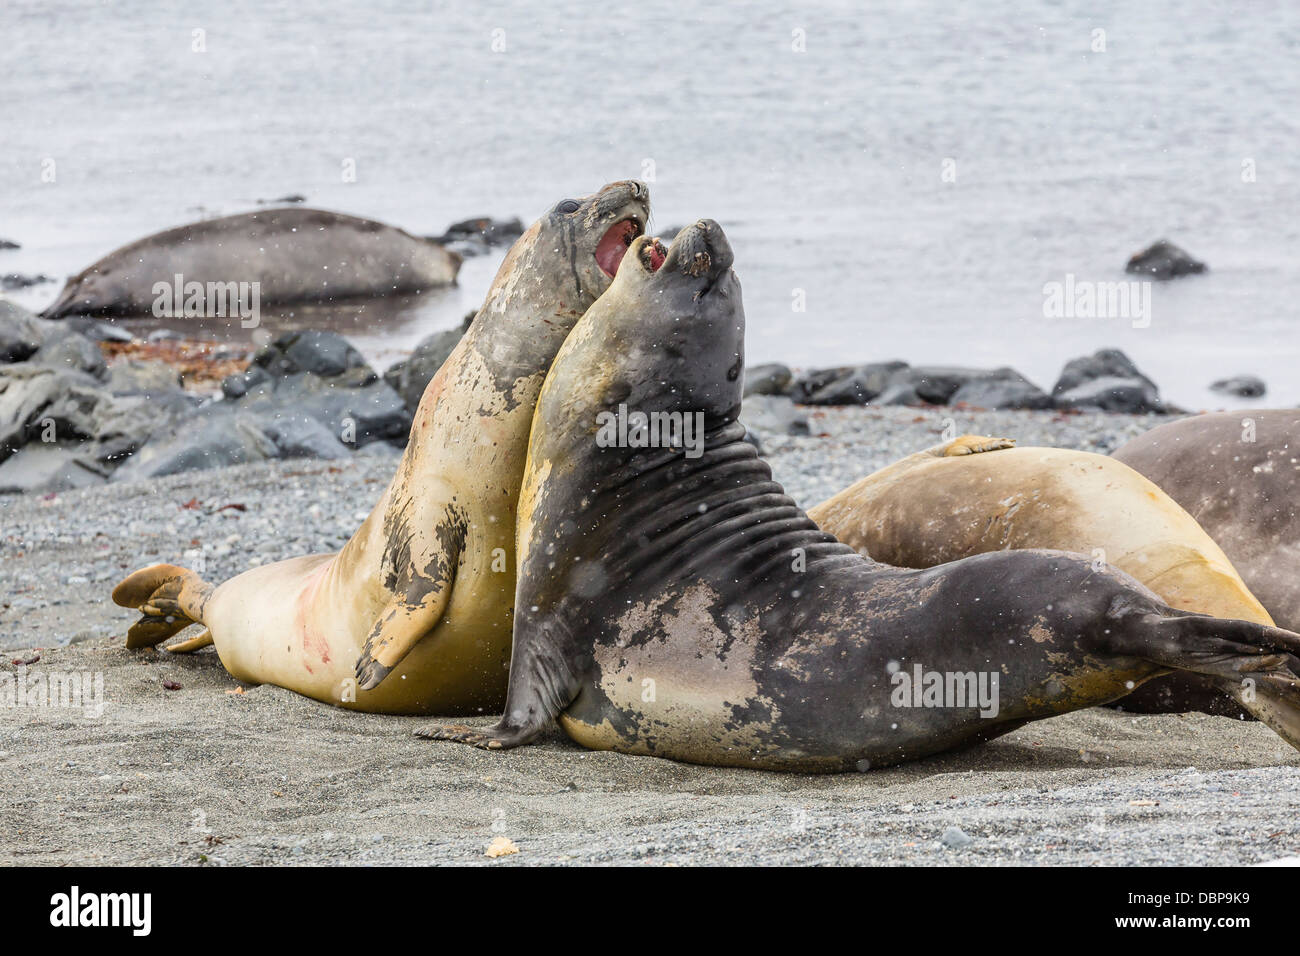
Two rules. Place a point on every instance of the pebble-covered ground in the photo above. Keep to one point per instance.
(185, 766)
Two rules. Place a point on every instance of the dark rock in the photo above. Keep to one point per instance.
(21, 332)
(809, 383)
(321, 353)
(98, 331)
(1243, 386)
(478, 235)
(238, 385)
(411, 376)
(66, 348)
(212, 438)
(358, 415)
(122, 424)
(14, 280)
(1104, 363)
(43, 468)
(138, 377)
(1163, 260)
(9, 244)
(291, 198)
(773, 415)
(40, 404)
(320, 375)
(1112, 394)
(936, 384)
(300, 436)
(43, 403)
(899, 393)
(770, 379)
(1001, 388)
(859, 386)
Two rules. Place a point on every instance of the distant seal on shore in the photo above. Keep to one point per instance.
(976, 495)
(1238, 474)
(294, 254)
(682, 606)
(414, 614)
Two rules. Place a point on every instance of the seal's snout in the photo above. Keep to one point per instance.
(701, 251)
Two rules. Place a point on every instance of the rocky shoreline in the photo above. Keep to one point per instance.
(84, 403)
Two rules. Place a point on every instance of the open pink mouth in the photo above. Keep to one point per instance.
(613, 245)
(654, 254)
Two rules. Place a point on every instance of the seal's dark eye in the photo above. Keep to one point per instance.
(568, 206)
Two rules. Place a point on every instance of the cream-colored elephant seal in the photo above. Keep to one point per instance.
(414, 615)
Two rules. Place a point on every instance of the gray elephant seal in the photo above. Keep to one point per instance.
(974, 495)
(294, 255)
(681, 606)
(413, 616)
(1238, 475)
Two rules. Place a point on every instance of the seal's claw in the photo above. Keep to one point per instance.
(191, 645)
(974, 444)
(153, 629)
(370, 673)
(459, 733)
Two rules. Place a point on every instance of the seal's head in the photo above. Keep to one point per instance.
(665, 344)
(569, 256)
(677, 325)
(88, 293)
(597, 230)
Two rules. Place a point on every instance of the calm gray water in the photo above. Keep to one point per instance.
(824, 166)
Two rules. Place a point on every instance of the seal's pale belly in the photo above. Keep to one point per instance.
(282, 625)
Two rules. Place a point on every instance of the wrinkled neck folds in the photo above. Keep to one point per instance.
(661, 516)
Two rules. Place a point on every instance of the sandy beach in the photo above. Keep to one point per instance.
(186, 766)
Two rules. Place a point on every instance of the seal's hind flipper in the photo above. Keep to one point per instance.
(193, 644)
(974, 445)
(1254, 663)
(169, 599)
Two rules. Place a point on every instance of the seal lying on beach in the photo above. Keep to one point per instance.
(976, 494)
(422, 595)
(1238, 474)
(294, 255)
(679, 604)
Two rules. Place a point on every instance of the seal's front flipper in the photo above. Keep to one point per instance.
(400, 627)
(421, 567)
(543, 683)
(496, 737)
(169, 598)
(973, 445)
